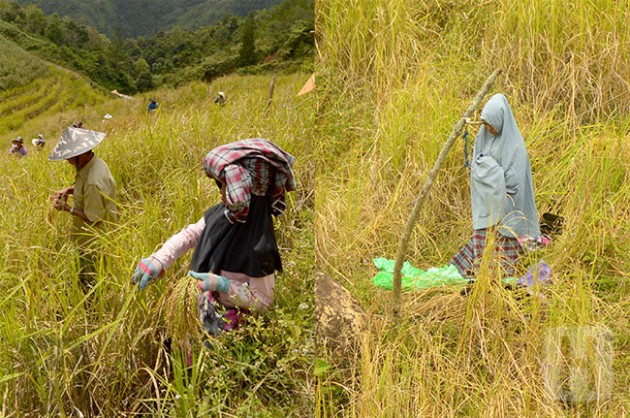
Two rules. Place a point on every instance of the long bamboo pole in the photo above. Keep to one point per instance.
(413, 217)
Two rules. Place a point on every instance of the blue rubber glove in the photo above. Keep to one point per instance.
(211, 282)
(146, 272)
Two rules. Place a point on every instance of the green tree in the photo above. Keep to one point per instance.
(35, 20)
(247, 53)
(76, 35)
(144, 79)
(141, 66)
(9, 11)
(54, 29)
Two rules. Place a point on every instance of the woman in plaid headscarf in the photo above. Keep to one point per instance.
(236, 254)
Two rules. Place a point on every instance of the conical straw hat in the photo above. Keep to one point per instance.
(75, 141)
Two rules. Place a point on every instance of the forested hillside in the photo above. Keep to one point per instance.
(147, 17)
(279, 39)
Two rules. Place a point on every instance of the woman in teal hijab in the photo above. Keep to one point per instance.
(502, 192)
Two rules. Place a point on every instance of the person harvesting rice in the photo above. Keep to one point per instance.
(94, 192)
(502, 191)
(236, 254)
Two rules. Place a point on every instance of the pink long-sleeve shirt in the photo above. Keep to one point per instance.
(254, 293)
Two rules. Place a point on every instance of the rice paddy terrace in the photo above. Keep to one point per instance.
(58, 91)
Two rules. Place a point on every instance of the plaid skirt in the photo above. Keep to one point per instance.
(506, 250)
(214, 317)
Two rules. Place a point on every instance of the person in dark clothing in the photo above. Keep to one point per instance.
(236, 255)
(220, 99)
(17, 147)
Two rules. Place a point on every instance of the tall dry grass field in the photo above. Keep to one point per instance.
(397, 75)
(60, 357)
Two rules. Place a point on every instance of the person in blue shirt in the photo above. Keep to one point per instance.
(153, 105)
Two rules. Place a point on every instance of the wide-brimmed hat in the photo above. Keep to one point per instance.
(18, 139)
(75, 141)
(39, 141)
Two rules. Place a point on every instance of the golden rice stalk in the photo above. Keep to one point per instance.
(180, 308)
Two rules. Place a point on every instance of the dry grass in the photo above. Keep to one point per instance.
(394, 87)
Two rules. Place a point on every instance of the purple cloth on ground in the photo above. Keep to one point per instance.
(539, 272)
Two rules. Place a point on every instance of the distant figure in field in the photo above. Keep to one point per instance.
(94, 193)
(502, 192)
(39, 142)
(236, 255)
(153, 105)
(220, 99)
(17, 147)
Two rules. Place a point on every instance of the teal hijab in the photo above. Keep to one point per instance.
(502, 191)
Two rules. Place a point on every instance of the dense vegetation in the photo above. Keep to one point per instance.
(145, 17)
(280, 38)
(397, 75)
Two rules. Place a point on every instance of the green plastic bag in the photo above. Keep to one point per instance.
(415, 278)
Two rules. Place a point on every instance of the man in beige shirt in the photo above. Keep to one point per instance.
(94, 192)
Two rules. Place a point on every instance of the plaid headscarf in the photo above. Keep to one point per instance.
(251, 166)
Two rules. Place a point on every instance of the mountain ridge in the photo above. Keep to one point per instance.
(279, 38)
(141, 17)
